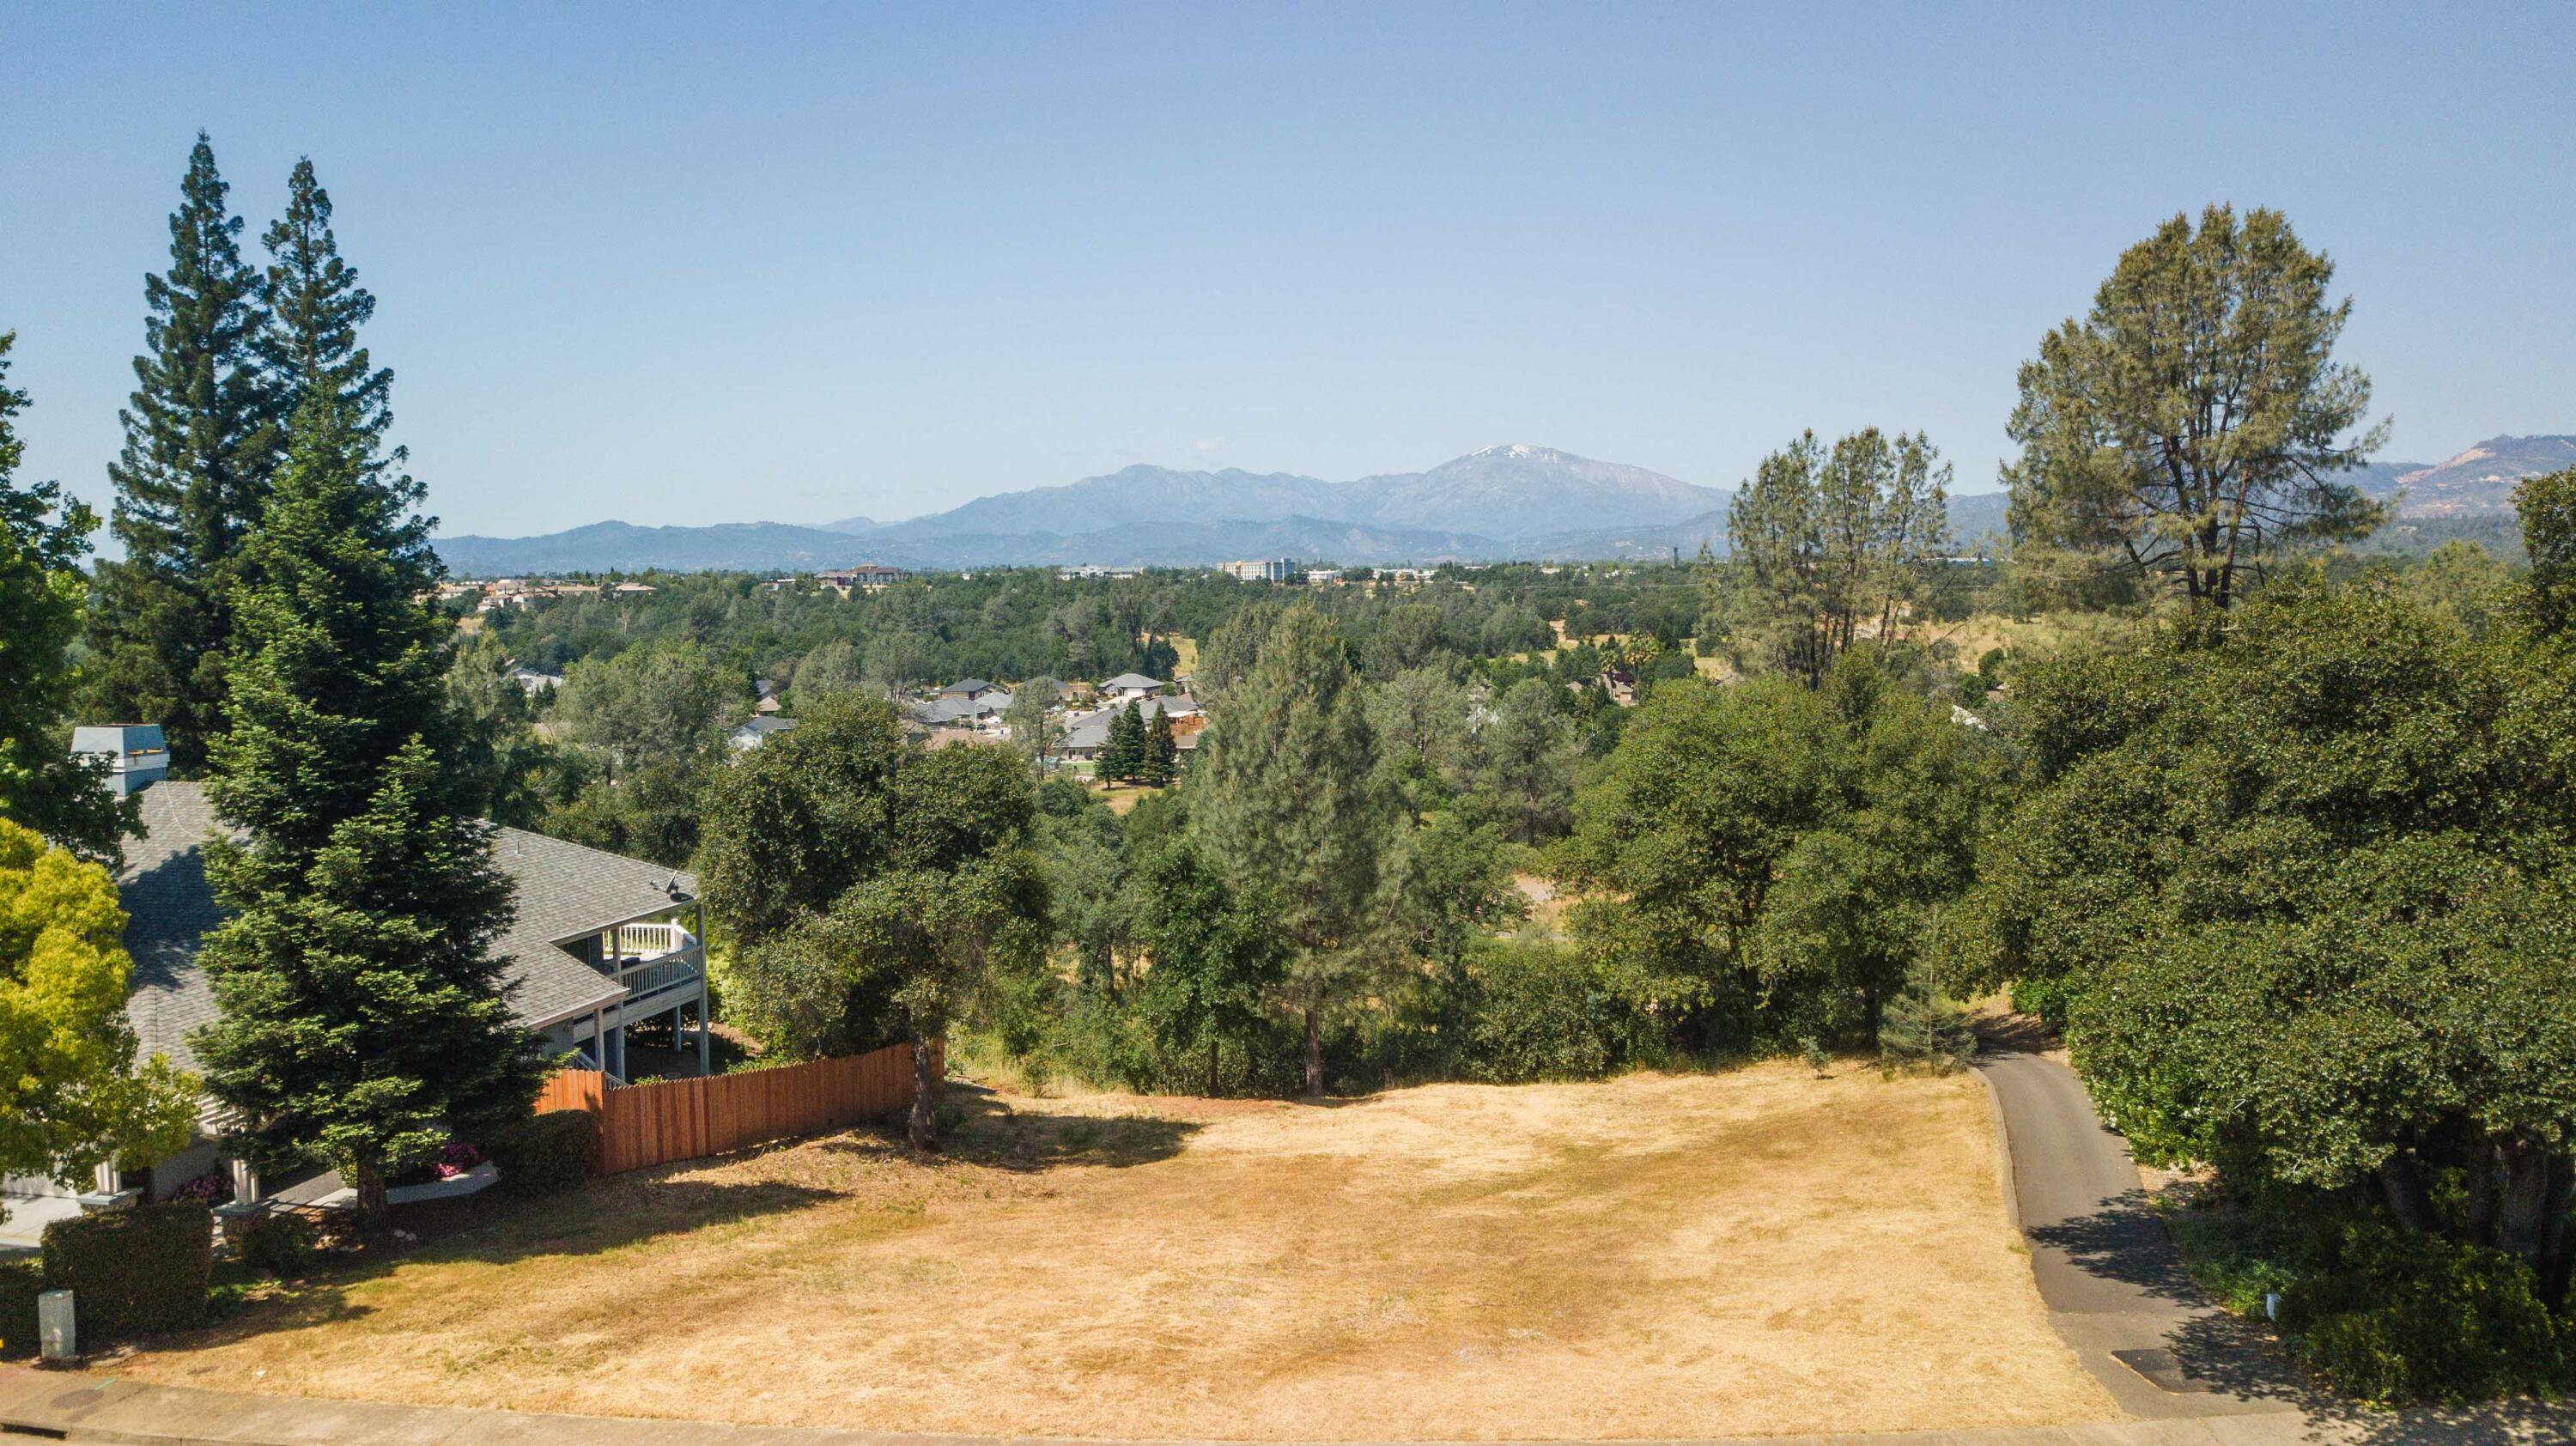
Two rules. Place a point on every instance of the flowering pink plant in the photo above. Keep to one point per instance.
(458, 1158)
(211, 1187)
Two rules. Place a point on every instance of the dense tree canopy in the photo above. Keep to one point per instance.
(2296, 882)
(1769, 858)
(874, 888)
(43, 535)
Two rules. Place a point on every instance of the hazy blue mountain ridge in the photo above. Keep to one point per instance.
(1501, 503)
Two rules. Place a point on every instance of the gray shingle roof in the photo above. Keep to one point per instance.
(564, 891)
(1133, 680)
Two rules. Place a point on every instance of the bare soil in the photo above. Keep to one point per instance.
(1752, 1252)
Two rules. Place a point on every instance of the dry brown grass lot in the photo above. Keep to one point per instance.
(1663, 1255)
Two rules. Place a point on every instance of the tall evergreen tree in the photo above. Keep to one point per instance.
(364, 1015)
(42, 537)
(2195, 425)
(1122, 756)
(314, 309)
(1162, 752)
(1287, 793)
(200, 442)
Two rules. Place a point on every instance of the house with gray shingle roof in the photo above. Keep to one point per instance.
(600, 942)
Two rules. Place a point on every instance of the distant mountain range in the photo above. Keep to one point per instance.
(1502, 503)
(2479, 480)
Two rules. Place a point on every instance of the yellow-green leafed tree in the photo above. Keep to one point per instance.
(71, 1094)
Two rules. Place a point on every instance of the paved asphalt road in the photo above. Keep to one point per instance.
(2108, 1273)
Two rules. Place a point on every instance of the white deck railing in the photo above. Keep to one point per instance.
(647, 941)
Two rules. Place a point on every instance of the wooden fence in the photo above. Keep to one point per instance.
(681, 1119)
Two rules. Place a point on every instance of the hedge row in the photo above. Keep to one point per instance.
(545, 1154)
(133, 1272)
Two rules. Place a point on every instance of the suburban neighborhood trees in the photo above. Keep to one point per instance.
(1036, 729)
(1521, 768)
(2548, 507)
(1122, 756)
(200, 442)
(364, 1018)
(2195, 423)
(43, 535)
(1216, 958)
(647, 725)
(1827, 540)
(875, 888)
(71, 1093)
(1160, 760)
(1773, 858)
(2295, 882)
(1286, 792)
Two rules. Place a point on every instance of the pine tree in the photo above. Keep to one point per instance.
(364, 1015)
(1287, 794)
(42, 537)
(1162, 760)
(200, 442)
(1122, 756)
(315, 307)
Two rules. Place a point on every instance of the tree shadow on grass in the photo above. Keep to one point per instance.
(603, 1215)
(978, 1127)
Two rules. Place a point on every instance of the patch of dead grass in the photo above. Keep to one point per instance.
(1658, 1256)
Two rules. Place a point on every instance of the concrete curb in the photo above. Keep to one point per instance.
(2003, 1144)
(79, 1406)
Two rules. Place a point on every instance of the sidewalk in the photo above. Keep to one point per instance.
(96, 1406)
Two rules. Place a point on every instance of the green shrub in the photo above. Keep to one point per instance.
(1928, 1030)
(22, 1279)
(2407, 1319)
(282, 1244)
(134, 1272)
(1531, 1011)
(544, 1154)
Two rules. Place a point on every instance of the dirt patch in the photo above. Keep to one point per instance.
(1662, 1256)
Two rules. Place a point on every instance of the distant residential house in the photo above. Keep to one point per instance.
(756, 730)
(598, 943)
(1085, 734)
(982, 711)
(768, 707)
(631, 589)
(867, 577)
(536, 682)
(969, 689)
(1323, 576)
(137, 758)
(1131, 685)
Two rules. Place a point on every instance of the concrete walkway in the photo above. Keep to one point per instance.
(91, 1406)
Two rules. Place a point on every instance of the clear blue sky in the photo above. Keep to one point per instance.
(734, 263)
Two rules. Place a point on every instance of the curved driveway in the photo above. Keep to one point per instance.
(2111, 1278)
